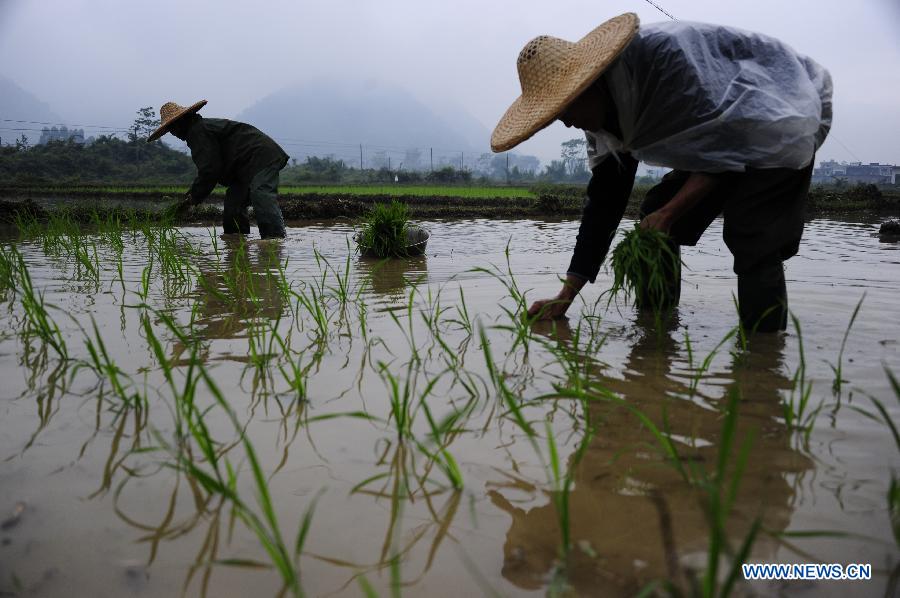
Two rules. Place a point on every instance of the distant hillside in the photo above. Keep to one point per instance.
(337, 116)
(18, 104)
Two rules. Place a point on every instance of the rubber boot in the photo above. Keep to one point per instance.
(264, 199)
(234, 213)
(267, 231)
(762, 298)
(236, 222)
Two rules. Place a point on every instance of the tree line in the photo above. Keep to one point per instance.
(107, 159)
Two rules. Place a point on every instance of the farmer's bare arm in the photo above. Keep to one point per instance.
(696, 188)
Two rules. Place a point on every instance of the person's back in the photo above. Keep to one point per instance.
(244, 149)
(705, 97)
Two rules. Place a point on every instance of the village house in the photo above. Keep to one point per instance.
(831, 171)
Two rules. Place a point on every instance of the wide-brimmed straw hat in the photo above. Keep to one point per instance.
(553, 72)
(171, 112)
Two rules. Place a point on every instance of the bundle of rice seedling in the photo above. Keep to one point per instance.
(384, 232)
(646, 265)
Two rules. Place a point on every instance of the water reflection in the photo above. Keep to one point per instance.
(389, 279)
(634, 518)
(238, 286)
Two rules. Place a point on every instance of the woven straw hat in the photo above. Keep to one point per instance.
(169, 113)
(553, 72)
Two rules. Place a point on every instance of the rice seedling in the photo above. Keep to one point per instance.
(59, 231)
(519, 323)
(105, 367)
(279, 280)
(296, 373)
(37, 317)
(883, 416)
(87, 262)
(720, 496)
(463, 321)
(174, 254)
(341, 289)
(839, 368)
(403, 397)
(27, 223)
(218, 476)
(384, 230)
(221, 478)
(701, 370)
(644, 266)
(508, 399)
(8, 269)
(120, 270)
(260, 341)
(215, 473)
(441, 436)
(432, 317)
(719, 489)
(798, 413)
(146, 274)
(312, 302)
(561, 481)
(62, 236)
(109, 229)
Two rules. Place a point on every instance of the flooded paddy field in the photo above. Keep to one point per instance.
(186, 414)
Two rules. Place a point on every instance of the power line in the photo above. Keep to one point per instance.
(292, 141)
(660, 9)
(38, 122)
(849, 151)
(41, 130)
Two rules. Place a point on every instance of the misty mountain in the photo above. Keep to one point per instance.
(18, 104)
(321, 117)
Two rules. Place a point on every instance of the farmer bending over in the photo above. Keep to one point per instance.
(738, 116)
(236, 155)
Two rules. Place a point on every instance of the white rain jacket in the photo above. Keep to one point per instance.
(708, 98)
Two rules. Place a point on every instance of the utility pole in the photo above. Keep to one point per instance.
(431, 153)
(360, 158)
(389, 163)
(461, 158)
(507, 168)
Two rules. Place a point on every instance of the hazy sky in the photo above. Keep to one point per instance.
(96, 61)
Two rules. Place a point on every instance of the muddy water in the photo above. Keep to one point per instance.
(90, 504)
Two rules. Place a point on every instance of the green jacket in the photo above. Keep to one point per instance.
(228, 152)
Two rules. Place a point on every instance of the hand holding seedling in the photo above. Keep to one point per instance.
(697, 187)
(186, 203)
(658, 220)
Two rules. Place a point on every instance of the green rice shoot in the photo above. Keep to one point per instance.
(384, 230)
(643, 264)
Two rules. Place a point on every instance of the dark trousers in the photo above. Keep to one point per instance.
(763, 211)
(262, 193)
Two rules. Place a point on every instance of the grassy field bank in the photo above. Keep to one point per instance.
(435, 201)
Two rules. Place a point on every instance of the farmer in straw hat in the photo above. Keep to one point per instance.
(233, 154)
(738, 116)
